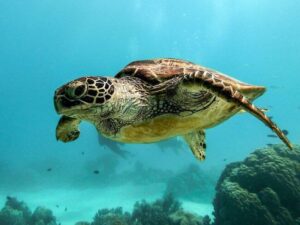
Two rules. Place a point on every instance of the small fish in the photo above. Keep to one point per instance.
(96, 171)
(285, 132)
(224, 160)
(82, 153)
(271, 117)
(49, 169)
(66, 209)
(269, 145)
(57, 206)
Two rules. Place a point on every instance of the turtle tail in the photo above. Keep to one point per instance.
(227, 92)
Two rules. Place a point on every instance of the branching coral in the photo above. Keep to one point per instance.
(264, 189)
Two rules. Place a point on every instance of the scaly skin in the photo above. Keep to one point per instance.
(67, 129)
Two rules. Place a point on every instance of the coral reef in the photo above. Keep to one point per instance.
(264, 189)
(111, 217)
(144, 213)
(165, 211)
(191, 184)
(42, 216)
(17, 213)
(184, 218)
(82, 223)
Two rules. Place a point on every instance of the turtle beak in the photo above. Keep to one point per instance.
(56, 106)
(59, 103)
(64, 105)
(56, 101)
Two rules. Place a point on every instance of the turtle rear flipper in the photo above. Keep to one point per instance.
(67, 129)
(225, 89)
(228, 92)
(196, 141)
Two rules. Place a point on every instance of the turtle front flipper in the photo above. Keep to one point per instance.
(228, 92)
(67, 129)
(196, 141)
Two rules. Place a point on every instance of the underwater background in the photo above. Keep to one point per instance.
(44, 44)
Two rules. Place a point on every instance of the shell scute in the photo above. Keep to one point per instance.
(159, 70)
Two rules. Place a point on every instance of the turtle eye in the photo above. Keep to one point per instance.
(77, 91)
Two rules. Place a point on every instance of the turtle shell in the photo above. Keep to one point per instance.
(156, 71)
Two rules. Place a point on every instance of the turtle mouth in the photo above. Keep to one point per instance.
(64, 106)
(72, 108)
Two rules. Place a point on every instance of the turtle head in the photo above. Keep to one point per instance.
(84, 97)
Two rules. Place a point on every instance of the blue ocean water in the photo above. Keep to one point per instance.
(44, 44)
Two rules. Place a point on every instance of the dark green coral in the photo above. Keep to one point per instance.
(111, 217)
(17, 213)
(164, 211)
(264, 189)
(43, 216)
(155, 213)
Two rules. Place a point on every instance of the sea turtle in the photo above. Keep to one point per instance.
(152, 100)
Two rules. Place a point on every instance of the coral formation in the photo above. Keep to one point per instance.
(42, 216)
(166, 211)
(144, 212)
(111, 217)
(82, 223)
(264, 189)
(17, 213)
(184, 218)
